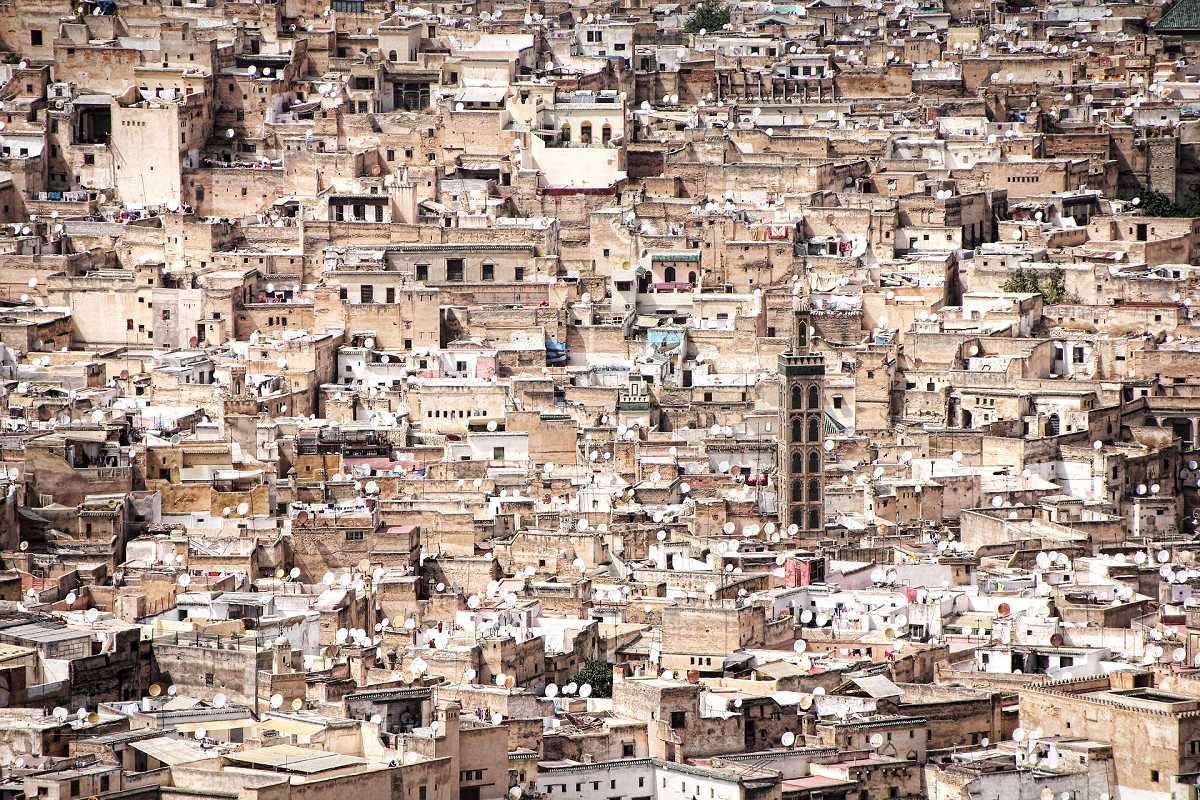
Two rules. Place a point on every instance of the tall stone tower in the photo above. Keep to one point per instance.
(802, 457)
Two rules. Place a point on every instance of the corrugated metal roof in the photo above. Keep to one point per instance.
(288, 758)
(171, 751)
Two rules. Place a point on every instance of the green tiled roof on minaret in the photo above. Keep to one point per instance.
(1183, 16)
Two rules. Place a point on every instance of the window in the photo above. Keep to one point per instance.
(497, 453)
(35, 37)
(208, 679)
(454, 269)
(678, 719)
(1154, 776)
(366, 293)
(355, 536)
(519, 274)
(75, 788)
(422, 272)
(391, 294)
(627, 750)
(489, 272)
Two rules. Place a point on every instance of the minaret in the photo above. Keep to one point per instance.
(802, 457)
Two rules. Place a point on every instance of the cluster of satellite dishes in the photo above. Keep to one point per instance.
(81, 717)
(1052, 559)
(571, 689)
(358, 637)
(888, 576)
(818, 619)
(277, 702)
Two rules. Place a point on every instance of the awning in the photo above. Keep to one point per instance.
(216, 725)
(482, 94)
(294, 727)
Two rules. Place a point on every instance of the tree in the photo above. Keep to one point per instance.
(1050, 284)
(710, 15)
(597, 674)
(1157, 204)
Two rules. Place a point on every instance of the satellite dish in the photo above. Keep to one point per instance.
(787, 739)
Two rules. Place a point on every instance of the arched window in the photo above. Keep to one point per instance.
(606, 133)
(669, 274)
(797, 429)
(1053, 425)
(585, 133)
(797, 461)
(814, 431)
(802, 333)
(797, 491)
(814, 519)
(814, 489)
(692, 278)
(797, 397)
(814, 397)
(392, 56)
(564, 134)
(814, 461)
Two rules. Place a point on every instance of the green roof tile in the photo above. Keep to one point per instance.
(1184, 15)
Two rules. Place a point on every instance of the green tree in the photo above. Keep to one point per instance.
(1050, 284)
(1157, 204)
(710, 15)
(598, 674)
